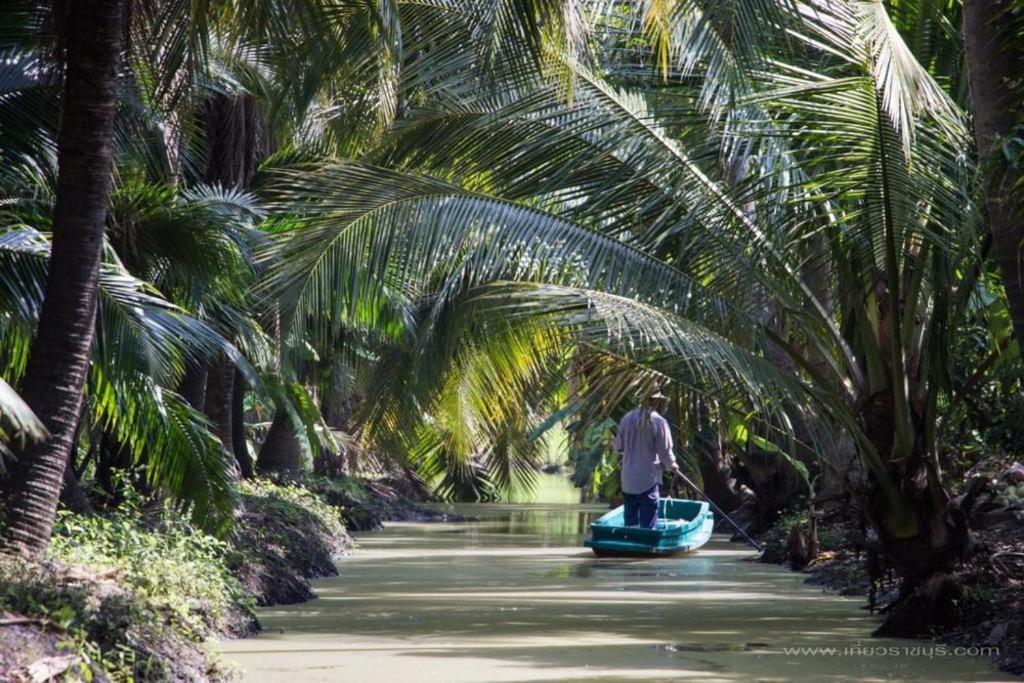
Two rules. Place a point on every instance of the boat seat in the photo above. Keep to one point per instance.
(665, 523)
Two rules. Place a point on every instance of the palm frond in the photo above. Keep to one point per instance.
(18, 424)
(370, 233)
(182, 456)
(136, 327)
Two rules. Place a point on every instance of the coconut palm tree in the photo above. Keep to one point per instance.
(59, 361)
(654, 221)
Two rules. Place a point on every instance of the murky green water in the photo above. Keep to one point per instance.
(514, 597)
(548, 488)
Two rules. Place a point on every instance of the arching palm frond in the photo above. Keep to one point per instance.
(481, 400)
(605, 160)
(182, 456)
(137, 328)
(719, 46)
(18, 424)
(370, 232)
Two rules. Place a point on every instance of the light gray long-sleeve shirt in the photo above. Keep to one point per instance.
(645, 441)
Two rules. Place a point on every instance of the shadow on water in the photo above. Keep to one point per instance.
(513, 597)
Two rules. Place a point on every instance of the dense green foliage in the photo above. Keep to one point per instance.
(175, 568)
(131, 591)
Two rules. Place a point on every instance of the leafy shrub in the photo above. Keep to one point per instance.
(285, 535)
(293, 501)
(776, 539)
(176, 568)
(342, 487)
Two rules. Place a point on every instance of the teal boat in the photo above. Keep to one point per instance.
(683, 526)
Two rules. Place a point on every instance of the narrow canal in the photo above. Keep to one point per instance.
(513, 597)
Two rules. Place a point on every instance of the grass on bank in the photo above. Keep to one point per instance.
(135, 591)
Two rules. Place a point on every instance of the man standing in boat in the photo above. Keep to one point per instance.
(645, 441)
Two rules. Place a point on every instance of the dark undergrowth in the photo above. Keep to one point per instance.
(366, 504)
(285, 535)
(979, 605)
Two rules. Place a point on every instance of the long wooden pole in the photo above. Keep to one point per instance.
(719, 510)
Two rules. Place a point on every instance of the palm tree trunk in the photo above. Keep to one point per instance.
(994, 65)
(922, 535)
(235, 139)
(239, 443)
(233, 134)
(73, 495)
(715, 471)
(335, 409)
(939, 544)
(59, 359)
(193, 385)
(229, 139)
(219, 392)
(115, 457)
(280, 452)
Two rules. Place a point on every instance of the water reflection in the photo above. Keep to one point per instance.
(513, 597)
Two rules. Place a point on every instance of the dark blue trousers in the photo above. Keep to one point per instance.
(642, 508)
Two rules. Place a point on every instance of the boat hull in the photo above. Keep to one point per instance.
(683, 526)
